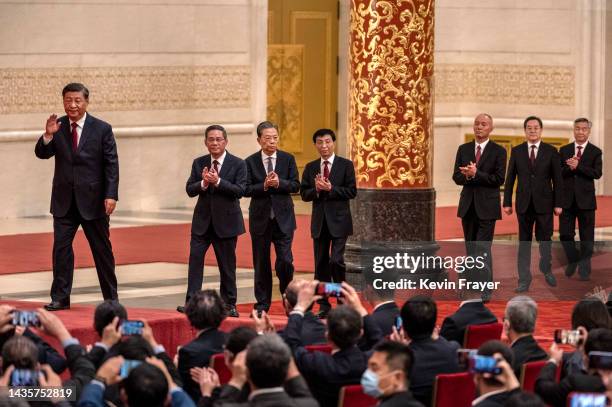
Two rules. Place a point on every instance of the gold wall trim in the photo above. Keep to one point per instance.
(325, 16)
(286, 93)
(508, 84)
(128, 88)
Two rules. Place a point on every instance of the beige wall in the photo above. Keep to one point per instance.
(157, 71)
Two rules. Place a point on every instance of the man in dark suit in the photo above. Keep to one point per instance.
(327, 373)
(271, 374)
(218, 180)
(329, 183)
(480, 167)
(432, 355)
(538, 195)
(580, 164)
(495, 390)
(519, 323)
(472, 311)
(205, 312)
(85, 191)
(555, 392)
(313, 329)
(272, 177)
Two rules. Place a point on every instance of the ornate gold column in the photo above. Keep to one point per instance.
(390, 128)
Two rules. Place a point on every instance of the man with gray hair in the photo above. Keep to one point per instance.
(267, 367)
(519, 325)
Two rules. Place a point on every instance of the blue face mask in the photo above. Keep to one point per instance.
(369, 381)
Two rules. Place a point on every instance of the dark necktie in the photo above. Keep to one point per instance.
(579, 155)
(270, 168)
(326, 169)
(477, 154)
(75, 137)
(532, 156)
(216, 166)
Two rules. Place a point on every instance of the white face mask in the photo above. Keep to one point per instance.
(370, 381)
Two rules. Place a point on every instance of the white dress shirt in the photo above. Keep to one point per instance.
(536, 149)
(264, 160)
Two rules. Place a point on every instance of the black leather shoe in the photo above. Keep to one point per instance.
(550, 279)
(56, 306)
(181, 309)
(232, 312)
(570, 269)
(522, 288)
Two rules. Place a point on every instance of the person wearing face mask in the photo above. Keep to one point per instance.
(387, 375)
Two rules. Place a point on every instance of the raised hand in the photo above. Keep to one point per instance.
(52, 126)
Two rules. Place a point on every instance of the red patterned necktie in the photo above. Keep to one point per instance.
(75, 137)
(532, 156)
(579, 155)
(326, 169)
(477, 154)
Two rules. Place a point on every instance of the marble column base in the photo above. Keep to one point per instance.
(388, 222)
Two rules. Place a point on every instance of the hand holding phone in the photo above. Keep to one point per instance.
(25, 318)
(329, 290)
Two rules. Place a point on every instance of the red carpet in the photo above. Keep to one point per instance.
(170, 243)
(172, 329)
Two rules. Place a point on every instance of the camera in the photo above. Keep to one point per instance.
(329, 290)
(567, 337)
(26, 318)
(131, 327)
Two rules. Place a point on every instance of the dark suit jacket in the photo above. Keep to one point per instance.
(82, 371)
(471, 313)
(278, 199)
(46, 353)
(313, 330)
(497, 400)
(333, 206)
(579, 184)
(296, 394)
(218, 204)
(483, 189)
(197, 353)
(326, 373)
(402, 399)
(92, 173)
(543, 184)
(526, 349)
(384, 317)
(555, 394)
(431, 358)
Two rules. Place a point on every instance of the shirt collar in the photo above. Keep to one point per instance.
(469, 301)
(220, 159)
(482, 145)
(487, 395)
(265, 156)
(330, 159)
(381, 304)
(257, 392)
(583, 145)
(536, 144)
(80, 122)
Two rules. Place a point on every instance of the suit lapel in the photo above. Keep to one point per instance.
(260, 166)
(85, 133)
(226, 164)
(334, 170)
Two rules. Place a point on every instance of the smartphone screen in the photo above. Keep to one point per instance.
(131, 327)
(127, 366)
(25, 377)
(26, 318)
(329, 289)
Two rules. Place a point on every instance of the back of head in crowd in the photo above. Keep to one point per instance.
(20, 352)
(145, 386)
(490, 348)
(134, 347)
(419, 315)
(598, 340)
(524, 399)
(590, 313)
(106, 312)
(205, 309)
(238, 339)
(291, 294)
(376, 293)
(521, 314)
(344, 326)
(267, 361)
